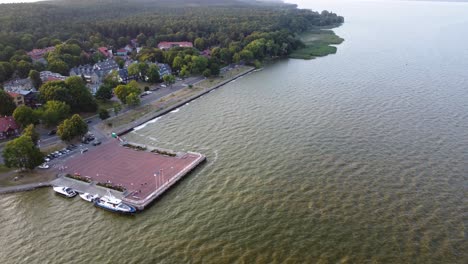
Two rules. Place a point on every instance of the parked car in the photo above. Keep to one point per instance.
(43, 166)
(88, 121)
(52, 132)
(96, 142)
(84, 150)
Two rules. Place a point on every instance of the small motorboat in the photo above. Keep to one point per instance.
(65, 191)
(113, 204)
(89, 197)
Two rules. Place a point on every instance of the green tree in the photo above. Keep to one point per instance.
(103, 114)
(123, 91)
(54, 111)
(117, 108)
(104, 92)
(72, 128)
(22, 153)
(32, 133)
(35, 77)
(55, 91)
(153, 74)
(133, 69)
(7, 104)
(133, 99)
(23, 68)
(207, 73)
(25, 116)
(143, 68)
(184, 72)
(169, 79)
(83, 100)
(59, 66)
(199, 43)
(178, 63)
(199, 64)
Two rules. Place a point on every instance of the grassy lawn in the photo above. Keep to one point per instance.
(210, 82)
(317, 44)
(4, 169)
(130, 116)
(106, 104)
(19, 178)
(159, 105)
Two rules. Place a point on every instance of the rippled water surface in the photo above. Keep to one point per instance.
(356, 157)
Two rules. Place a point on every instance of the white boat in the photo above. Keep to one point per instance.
(88, 197)
(65, 191)
(113, 204)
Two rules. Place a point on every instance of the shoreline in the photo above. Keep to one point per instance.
(125, 129)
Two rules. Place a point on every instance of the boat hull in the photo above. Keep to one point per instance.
(115, 209)
(65, 192)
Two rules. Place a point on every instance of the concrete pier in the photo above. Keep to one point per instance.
(143, 173)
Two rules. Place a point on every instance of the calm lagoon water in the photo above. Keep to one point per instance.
(356, 157)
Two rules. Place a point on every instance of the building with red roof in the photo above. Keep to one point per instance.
(37, 54)
(8, 127)
(104, 51)
(169, 45)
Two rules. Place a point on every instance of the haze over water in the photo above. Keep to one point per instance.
(356, 157)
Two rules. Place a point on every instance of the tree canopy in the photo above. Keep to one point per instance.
(72, 128)
(22, 153)
(25, 115)
(239, 30)
(124, 91)
(72, 91)
(7, 105)
(54, 111)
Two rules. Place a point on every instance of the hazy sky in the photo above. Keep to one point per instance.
(290, 1)
(17, 1)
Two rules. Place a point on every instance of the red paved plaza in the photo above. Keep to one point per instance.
(140, 172)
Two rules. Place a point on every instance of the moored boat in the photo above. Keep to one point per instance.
(89, 197)
(113, 204)
(65, 191)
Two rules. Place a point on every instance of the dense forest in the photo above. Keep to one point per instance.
(235, 30)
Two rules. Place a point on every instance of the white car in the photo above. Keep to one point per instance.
(43, 166)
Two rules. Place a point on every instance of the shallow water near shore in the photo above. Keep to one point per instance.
(356, 157)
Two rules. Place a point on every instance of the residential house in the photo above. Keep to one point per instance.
(17, 98)
(121, 52)
(18, 84)
(38, 54)
(106, 52)
(47, 76)
(8, 127)
(169, 45)
(128, 48)
(124, 77)
(30, 98)
(107, 66)
(95, 74)
(84, 70)
(164, 69)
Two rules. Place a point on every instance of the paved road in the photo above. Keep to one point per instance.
(158, 91)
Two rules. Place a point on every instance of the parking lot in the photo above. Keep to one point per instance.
(55, 159)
